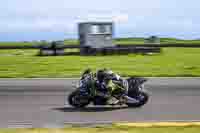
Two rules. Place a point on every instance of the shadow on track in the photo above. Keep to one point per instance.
(89, 109)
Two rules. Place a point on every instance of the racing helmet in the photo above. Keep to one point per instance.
(108, 74)
(111, 75)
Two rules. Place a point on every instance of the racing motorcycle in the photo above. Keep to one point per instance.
(83, 95)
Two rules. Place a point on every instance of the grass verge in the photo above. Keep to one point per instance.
(111, 129)
(172, 62)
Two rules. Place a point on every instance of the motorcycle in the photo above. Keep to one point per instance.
(83, 94)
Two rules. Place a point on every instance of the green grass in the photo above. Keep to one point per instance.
(19, 43)
(71, 42)
(171, 62)
(111, 129)
(178, 41)
(127, 41)
(66, 42)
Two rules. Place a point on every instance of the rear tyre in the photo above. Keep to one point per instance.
(75, 100)
(143, 98)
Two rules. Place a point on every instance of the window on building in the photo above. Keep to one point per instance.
(98, 29)
(95, 29)
(106, 29)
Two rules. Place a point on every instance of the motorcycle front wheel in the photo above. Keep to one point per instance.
(75, 100)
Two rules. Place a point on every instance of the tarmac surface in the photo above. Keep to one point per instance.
(41, 103)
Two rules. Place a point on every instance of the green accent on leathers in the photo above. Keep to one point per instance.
(113, 87)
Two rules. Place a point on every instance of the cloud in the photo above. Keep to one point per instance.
(132, 17)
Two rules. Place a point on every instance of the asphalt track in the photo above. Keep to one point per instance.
(41, 103)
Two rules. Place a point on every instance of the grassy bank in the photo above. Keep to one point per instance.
(171, 62)
(172, 41)
(113, 129)
(19, 43)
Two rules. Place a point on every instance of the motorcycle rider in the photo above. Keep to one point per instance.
(109, 85)
(115, 85)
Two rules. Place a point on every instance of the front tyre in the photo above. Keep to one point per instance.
(143, 98)
(75, 100)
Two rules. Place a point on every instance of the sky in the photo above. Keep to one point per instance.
(32, 20)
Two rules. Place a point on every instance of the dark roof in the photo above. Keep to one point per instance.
(96, 23)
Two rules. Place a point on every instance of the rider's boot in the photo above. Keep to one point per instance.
(112, 101)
